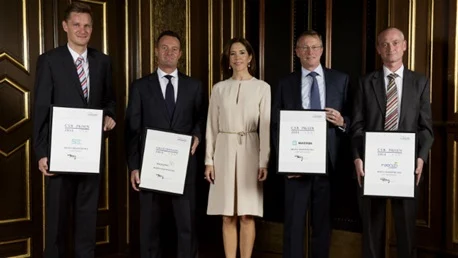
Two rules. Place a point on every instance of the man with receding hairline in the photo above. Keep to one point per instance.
(72, 76)
(408, 110)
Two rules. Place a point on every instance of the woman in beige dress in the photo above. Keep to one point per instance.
(237, 150)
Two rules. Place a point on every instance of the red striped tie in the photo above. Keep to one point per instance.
(81, 75)
(391, 117)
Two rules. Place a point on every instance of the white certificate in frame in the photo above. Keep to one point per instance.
(302, 142)
(75, 140)
(389, 164)
(165, 161)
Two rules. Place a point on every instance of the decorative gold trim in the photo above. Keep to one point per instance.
(26, 145)
(454, 193)
(139, 41)
(292, 33)
(328, 60)
(107, 178)
(107, 235)
(221, 29)
(40, 27)
(262, 37)
(455, 79)
(5, 55)
(126, 69)
(244, 18)
(188, 37)
(26, 95)
(232, 18)
(412, 20)
(151, 37)
(104, 19)
(29, 247)
(390, 4)
(210, 46)
(431, 49)
(25, 36)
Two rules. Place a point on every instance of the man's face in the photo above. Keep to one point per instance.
(168, 52)
(391, 46)
(78, 28)
(309, 50)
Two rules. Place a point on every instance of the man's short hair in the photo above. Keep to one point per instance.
(310, 33)
(168, 33)
(77, 7)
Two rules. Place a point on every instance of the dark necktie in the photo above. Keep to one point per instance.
(314, 92)
(391, 117)
(170, 95)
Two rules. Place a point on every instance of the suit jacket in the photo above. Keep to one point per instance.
(369, 110)
(288, 96)
(147, 109)
(57, 83)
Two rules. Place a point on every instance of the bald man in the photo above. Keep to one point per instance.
(412, 114)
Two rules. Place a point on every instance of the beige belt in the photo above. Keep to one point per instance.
(240, 134)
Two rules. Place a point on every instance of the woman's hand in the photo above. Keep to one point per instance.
(210, 174)
(262, 174)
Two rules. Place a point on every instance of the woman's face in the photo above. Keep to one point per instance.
(239, 57)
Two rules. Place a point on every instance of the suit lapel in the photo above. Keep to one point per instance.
(378, 85)
(70, 68)
(93, 67)
(329, 88)
(297, 90)
(407, 92)
(156, 92)
(182, 92)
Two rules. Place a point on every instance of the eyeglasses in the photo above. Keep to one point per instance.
(312, 48)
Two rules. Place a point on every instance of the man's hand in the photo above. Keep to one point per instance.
(135, 179)
(419, 169)
(108, 123)
(262, 174)
(359, 170)
(194, 145)
(333, 116)
(210, 174)
(43, 166)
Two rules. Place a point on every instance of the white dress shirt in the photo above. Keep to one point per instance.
(306, 85)
(398, 81)
(164, 81)
(85, 67)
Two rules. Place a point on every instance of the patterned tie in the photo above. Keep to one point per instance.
(170, 95)
(81, 75)
(391, 117)
(314, 92)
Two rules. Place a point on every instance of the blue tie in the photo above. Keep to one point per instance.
(170, 95)
(314, 92)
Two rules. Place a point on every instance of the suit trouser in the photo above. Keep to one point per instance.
(63, 192)
(373, 214)
(298, 193)
(184, 212)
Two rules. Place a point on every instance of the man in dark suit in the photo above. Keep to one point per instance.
(314, 87)
(391, 99)
(79, 77)
(170, 101)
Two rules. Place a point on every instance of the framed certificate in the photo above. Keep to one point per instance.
(389, 164)
(165, 161)
(75, 140)
(302, 142)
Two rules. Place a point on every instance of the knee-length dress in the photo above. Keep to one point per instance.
(238, 144)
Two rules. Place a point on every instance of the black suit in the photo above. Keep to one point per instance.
(369, 115)
(299, 191)
(57, 83)
(147, 109)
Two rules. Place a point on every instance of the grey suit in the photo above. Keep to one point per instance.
(369, 110)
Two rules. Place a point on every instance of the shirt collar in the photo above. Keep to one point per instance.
(399, 72)
(76, 55)
(161, 73)
(318, 70)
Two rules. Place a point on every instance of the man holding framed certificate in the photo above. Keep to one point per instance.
(76, 83)
(308, 120)
(392, 132)
(168, 106)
